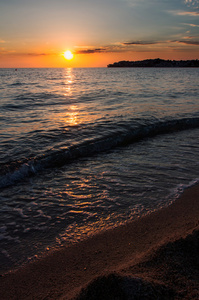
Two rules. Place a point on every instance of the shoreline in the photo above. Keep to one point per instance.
(129, 255)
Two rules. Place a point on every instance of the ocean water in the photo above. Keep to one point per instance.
(84, 150)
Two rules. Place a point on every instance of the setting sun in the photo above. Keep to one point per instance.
(68, 55)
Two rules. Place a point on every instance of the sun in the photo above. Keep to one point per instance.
(68, 55)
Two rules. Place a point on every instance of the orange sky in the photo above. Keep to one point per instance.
(57, 60)
(36, 33)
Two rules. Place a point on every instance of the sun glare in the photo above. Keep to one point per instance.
(68, 55)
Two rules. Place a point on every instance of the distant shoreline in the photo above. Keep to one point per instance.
(156, 63)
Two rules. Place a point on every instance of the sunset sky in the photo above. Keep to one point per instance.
(36, 33)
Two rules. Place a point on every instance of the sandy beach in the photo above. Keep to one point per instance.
(154, 257)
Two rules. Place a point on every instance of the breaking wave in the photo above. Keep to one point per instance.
(17, 171)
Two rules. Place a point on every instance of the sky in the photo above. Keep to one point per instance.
(36, 33)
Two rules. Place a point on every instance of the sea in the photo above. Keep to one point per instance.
(85, 150)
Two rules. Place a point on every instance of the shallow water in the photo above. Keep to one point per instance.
(83, 150)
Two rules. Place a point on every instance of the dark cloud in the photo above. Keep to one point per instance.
(119, 47)
(90, 51)
(139, 43)
(37, 54)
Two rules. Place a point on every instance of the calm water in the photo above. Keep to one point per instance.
(83, 150)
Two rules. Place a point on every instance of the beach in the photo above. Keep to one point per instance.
(99, 150)
(93, 162)
(153, 257)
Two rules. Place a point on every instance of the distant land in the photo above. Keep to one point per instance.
(156, 63)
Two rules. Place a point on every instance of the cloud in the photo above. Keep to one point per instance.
(192, 25)
(122, 47)
(193, 43)
(4, 51)
(186, 13)
(117, 47)
(191, 37)
(13, 52)
(113, 48)
(91, 50)
(137, 46)
(35, 54)
(139, 43)
(2, 41)
(192, 2)
(187, 41)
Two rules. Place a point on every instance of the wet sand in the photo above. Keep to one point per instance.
(154, 257)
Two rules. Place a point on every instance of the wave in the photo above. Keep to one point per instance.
(16, 84)
(125, 135)
(29, 101)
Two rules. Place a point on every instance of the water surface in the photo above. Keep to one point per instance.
(83, 150)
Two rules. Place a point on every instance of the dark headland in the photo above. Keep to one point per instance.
(156, 63)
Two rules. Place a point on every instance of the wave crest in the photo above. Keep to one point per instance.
(123, 136)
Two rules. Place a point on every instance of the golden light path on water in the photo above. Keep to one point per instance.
(71, 116)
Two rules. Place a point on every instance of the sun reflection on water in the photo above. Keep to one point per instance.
(72, 115)
(68, 82)
(73, 112)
